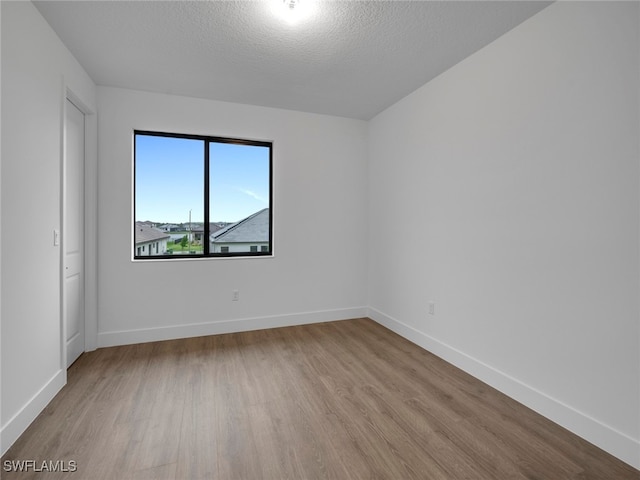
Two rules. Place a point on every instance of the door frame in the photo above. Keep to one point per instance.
(90, 223)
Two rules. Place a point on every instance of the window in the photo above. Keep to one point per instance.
(199, 196)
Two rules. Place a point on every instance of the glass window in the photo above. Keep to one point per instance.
(202, 196)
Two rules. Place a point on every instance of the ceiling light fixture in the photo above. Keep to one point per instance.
(293, 11)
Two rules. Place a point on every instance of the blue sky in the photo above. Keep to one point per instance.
(170, 180)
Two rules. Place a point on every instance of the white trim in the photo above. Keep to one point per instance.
(90, 231)
(603, 436)
(61, 245)
(127, 337)
(28, 413)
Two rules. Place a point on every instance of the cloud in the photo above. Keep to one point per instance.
(253, 195)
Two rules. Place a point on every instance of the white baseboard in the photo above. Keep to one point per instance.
(128, 337)
(27, 414)
(608, 439)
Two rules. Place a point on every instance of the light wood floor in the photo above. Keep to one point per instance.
(343, 400)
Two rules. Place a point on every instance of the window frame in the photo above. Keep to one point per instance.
(206, 253)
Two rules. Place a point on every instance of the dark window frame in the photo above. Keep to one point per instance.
(207, 140)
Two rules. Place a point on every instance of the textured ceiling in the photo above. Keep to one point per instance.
(349, 58)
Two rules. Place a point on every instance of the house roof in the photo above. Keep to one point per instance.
(254, 228)
(213, 227)
(145, 233)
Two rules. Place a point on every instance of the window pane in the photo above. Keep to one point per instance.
(169, 193)
(239, 192)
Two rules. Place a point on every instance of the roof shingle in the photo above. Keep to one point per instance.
(254, 228)
(145, 233)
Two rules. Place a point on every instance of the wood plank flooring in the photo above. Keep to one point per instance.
(341, 400)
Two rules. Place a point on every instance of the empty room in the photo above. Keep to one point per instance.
(320, 239)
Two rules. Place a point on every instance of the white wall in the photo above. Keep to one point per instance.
(319, 191)
(506, 191)
(36, 70)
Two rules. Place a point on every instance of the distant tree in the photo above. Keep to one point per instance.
(183, 242)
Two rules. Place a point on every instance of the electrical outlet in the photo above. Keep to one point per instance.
(235, 295)
(432, 308)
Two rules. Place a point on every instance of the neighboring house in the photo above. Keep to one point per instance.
(198, 232)
(150, 241)
(246, 236)
(169, 227)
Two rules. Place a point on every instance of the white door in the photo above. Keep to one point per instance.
(73, 232)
